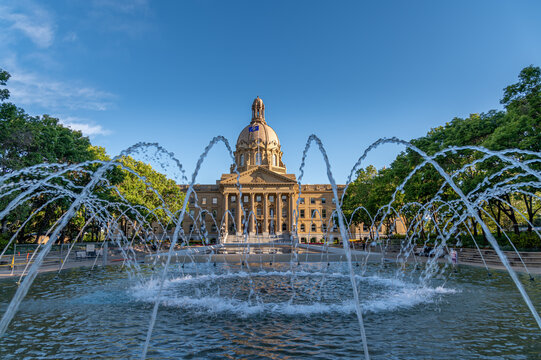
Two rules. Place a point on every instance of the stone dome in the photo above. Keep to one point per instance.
(258, 134)
(258, 144)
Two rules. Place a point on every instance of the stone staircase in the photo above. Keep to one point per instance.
(472, 256)
(256, 239)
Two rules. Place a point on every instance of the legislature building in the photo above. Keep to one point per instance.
(268, 197)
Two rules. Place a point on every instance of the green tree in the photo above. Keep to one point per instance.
(524, 97)
(29, 140)
(371, 190)
(144, 187)
(4, 77)
(519, 126)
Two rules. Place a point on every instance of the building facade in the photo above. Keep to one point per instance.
(259, 198)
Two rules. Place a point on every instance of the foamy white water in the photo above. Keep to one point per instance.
(387, 294)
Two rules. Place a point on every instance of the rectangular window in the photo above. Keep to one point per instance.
(324, 227)
(323, 213)
(204, 201)
(284, 197)
(284, 212)
(192, 212)
(333, 201)
(213, 228)
(245, 198)
(302, 213)
(192, 200)
(258, 198)
(233, 198)
(301, 200)
(214, 213)
(323, 200)
(259, 211)
(232, 213)
(214, 201)
(312, 200)
(271, 198)
(314, 213)
(271, 212)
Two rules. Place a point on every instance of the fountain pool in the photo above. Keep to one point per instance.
(274, 312)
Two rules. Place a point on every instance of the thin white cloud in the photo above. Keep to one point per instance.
(86, 127)
(31, 88)
(35, 23)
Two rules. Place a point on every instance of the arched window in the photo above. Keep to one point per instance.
(274, 160)
(242, 160)
(258, 158)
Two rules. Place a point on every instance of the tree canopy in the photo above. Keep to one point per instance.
(138, 192)
(518, 126)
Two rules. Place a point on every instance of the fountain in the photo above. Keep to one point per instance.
(275, 299)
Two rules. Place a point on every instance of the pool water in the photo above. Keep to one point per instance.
(281, 311)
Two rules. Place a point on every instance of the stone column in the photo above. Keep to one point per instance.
(239, 216)
(290, 214)
(278, 223)
(226, 215)
(252, 209)
(265, 215)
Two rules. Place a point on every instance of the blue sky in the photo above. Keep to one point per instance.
(181, 72)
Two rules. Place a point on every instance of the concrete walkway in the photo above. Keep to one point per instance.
(492, 260)
(52, 263)
(306, 253)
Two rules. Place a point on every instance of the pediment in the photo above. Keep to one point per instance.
(259, 176)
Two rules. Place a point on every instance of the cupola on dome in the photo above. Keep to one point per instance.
(258, 132)
(258, 144)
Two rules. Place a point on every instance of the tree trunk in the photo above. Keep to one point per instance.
(479, 213)
(528, 201)
(497, 215)
(509, 212)
(20, 237)
(44, 224)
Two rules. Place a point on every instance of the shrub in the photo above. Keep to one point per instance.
(4, 239)
(524, 241)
